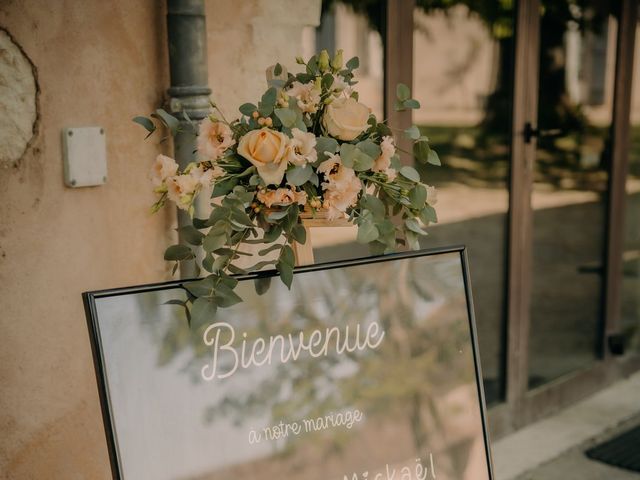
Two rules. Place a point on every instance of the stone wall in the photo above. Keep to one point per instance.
(94, 63)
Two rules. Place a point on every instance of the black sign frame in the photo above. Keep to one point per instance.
(89, 300)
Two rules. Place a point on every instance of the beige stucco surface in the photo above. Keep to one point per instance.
(97, 63)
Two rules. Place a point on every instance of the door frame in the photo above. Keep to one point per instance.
(522, 405)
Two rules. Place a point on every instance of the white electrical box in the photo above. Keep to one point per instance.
(85, 156)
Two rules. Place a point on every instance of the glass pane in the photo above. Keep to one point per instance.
(339, 377)
(577, 60)
(463, 70)
(631, 256)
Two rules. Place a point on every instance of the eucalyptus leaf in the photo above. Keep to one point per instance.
(178, 253)
(370, 148)
(402, 92)
(287, 116)
(201, 288)
(347, 154)
(327, 81)
(325, 144)
(169, 120)
(287, 256)
(367, 232)
(299, 234)
(428, 215)
(147, 123)
(223, 187)
(286, 273)
(277, 215)
(203, 311)
(410, 173)
(412, 240)
(413, 225)
(190, 234)
(374, 205)
(219, 263)
(411, 103)
(377, 248)
(418, 196)
(412, 132)
(255, 180)
(225, 296)
(353, 63)
(248, 109)
(215, 241)
(421, 151)
(299, 175)
(270, 97)
(207, 262)
(273, 234)
(262, 285)
(433, 158)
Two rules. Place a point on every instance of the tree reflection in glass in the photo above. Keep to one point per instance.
(416, 389)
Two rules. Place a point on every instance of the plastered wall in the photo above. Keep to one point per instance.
(96, 63)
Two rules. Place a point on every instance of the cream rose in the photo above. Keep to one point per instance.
(266, 148)
(346, 118)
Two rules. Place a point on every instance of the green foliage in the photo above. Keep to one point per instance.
(325, 144)
(241, 212)
(247, 109)
(147, 123)
(167, 120)
(178, 253)
(410, 173)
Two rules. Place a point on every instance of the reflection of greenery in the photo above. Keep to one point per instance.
(467, 160)
(408, 372)
(561, 160)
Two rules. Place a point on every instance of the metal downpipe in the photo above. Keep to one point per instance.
(189, 91)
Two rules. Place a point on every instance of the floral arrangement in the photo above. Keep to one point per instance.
(308, 147)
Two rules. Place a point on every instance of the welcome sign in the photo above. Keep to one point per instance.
(365, 370)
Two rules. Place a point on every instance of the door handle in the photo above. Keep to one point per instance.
(530, 132)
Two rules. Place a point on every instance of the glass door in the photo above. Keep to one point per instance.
(463, 76)
(577, 57)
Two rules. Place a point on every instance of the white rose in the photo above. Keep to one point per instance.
(266, 149)
(346, 118)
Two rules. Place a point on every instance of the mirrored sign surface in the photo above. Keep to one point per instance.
(363, 370)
